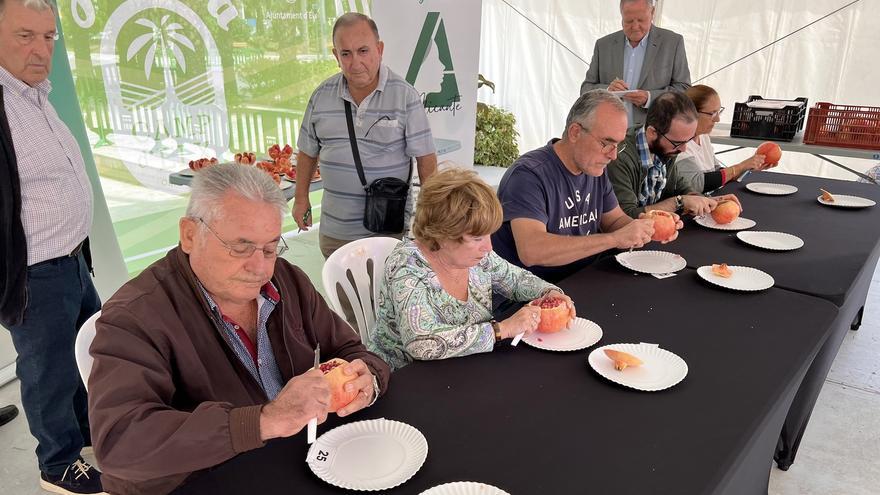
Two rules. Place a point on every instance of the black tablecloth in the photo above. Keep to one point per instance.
(836, 263)
(839, 244)
(539, 422)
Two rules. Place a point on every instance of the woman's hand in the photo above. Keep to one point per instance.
(523, 321)
(755, 162)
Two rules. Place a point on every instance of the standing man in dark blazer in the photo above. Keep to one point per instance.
(641, 59)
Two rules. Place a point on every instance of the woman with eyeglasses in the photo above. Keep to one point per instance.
(698, 164)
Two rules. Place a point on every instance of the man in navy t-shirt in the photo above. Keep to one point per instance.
(559, 207)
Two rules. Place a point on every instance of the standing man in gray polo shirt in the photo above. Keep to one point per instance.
(46, 291)
(390, 125)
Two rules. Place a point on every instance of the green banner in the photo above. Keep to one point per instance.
(177, 79)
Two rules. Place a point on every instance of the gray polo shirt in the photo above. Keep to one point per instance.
(391, 128)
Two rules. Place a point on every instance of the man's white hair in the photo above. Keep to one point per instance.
(39, 5)
(651, 3)
(211, 185)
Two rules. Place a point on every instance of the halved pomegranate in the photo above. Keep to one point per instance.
(554, 314)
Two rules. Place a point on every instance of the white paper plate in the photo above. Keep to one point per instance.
(774, 241)
(285, 184)
(582, 334)
(744, 278)
(844, 201)
(771, 189)
(464, 488)
(739, 224)
(651, 261)
(187, 172)
(661, 369)
(376, 454)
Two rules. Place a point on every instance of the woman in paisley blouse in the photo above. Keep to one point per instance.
(436, 297)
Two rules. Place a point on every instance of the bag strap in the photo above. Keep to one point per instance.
(354, 147)
(356, 153)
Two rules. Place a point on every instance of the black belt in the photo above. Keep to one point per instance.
(73, 254)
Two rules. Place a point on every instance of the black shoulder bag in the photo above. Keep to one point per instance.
(386, 196)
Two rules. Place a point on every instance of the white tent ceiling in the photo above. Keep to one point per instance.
(833, 60)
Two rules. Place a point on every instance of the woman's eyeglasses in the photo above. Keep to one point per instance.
(714, 114)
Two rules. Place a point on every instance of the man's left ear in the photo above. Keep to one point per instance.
(188, 228)
(381, 46)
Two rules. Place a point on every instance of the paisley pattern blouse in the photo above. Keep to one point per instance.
(417, 319)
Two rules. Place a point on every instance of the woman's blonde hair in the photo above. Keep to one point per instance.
(455, 203)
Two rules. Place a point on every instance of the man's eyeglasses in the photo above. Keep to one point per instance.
(714, 114)
(25, 38)
(246, 249)
(384, 117)
(676, 144)
(606, 147)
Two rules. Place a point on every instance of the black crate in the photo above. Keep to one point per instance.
(773, 124)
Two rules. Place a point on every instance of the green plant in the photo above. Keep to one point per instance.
(495, 142)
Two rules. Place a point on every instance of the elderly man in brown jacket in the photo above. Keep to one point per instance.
(207, 353)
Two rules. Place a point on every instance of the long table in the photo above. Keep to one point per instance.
(840, 245)
(534, 422)
(836, 263)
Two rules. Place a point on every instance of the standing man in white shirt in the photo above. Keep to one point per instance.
(641, 59)
(45, 217)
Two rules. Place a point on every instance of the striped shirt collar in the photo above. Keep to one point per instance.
(256, 355)
(345, 94)
(13, 83)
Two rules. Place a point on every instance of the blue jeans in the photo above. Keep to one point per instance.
(61, 297)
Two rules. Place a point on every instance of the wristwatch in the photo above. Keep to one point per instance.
(679, 203)
(497, 329)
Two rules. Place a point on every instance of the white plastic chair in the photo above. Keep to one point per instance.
(84, 339)
(350, 262)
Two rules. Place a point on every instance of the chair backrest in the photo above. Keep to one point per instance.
(356, 261)
(81, 349)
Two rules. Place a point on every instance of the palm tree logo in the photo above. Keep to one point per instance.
(165, 39)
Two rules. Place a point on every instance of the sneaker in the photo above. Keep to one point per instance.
(7, 414)
(78, 478)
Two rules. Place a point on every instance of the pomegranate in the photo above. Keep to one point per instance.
(722, 270)
(337, 379)
(725, 212)
(622, 360)
(664, 225)
(554, 314)
(771, 151)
